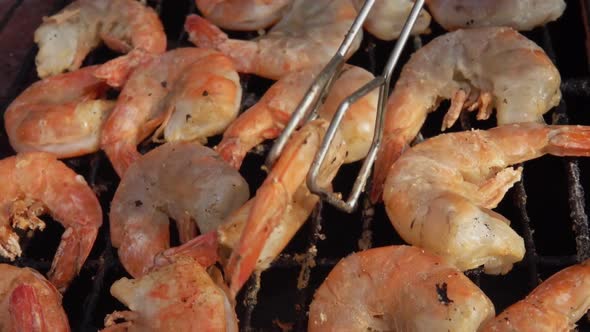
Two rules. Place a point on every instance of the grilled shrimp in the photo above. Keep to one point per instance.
(470, 68)
(517, 14)
(63, 114)
(309, 34)
(180, 180)
(397, 288)
(387, 18)
(277, 195)
(246, 15)
(555, 305)
(267, 118)
(66, 38)
(36, 183)
(216, 246)
(255, 234)
(190, 93)
(177, 297)
(438, 195)
(29, 302)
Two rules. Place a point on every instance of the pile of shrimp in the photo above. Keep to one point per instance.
(438, 194)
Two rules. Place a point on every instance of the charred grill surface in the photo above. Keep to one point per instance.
(548, 207)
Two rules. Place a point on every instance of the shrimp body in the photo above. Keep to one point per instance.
(183, 181)
(177, 297)
(440, 193)
(189, 93)
(397, 288)
(309, 34)
(387, 18)
(278, 194)
(555, 305)
(218, 245)
(246, 15)
(29, 302)
(66, 38)
(517, 14)
(267, 118)
(37, 183)
(469, 67)
(63, 114)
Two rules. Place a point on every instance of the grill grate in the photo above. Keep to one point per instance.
(548, 206)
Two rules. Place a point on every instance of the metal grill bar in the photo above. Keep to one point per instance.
(105, 264)
(575, 190)
(314, 235)
(576, 87)
(250, 300)
(530, 258)
(8, 14)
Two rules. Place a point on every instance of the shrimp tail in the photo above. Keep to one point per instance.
(270, 205)
(203, 33)
(389, 153)
(258, 123)
(71, 254)
(122, 155)
(569, 141)
(203, 249)
(117, 71)
(232, 151)
(25, 309)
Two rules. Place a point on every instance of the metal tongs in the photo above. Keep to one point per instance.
(313, 99)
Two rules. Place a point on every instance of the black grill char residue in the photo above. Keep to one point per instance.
(441, 293)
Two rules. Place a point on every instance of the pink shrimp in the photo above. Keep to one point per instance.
(189, 93)
(277, 195)
(397, 288)
(468, 67)
(62, 114)
(217, 246)
(180, 296)
(387, 18)
(281, 206)
(555, 305)
(67, 37)
(37, 183)
(439, 194)
(309, 34)
(517, 14)
(183, 181)
(246, 15)
(267, 118)
(30, 302)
